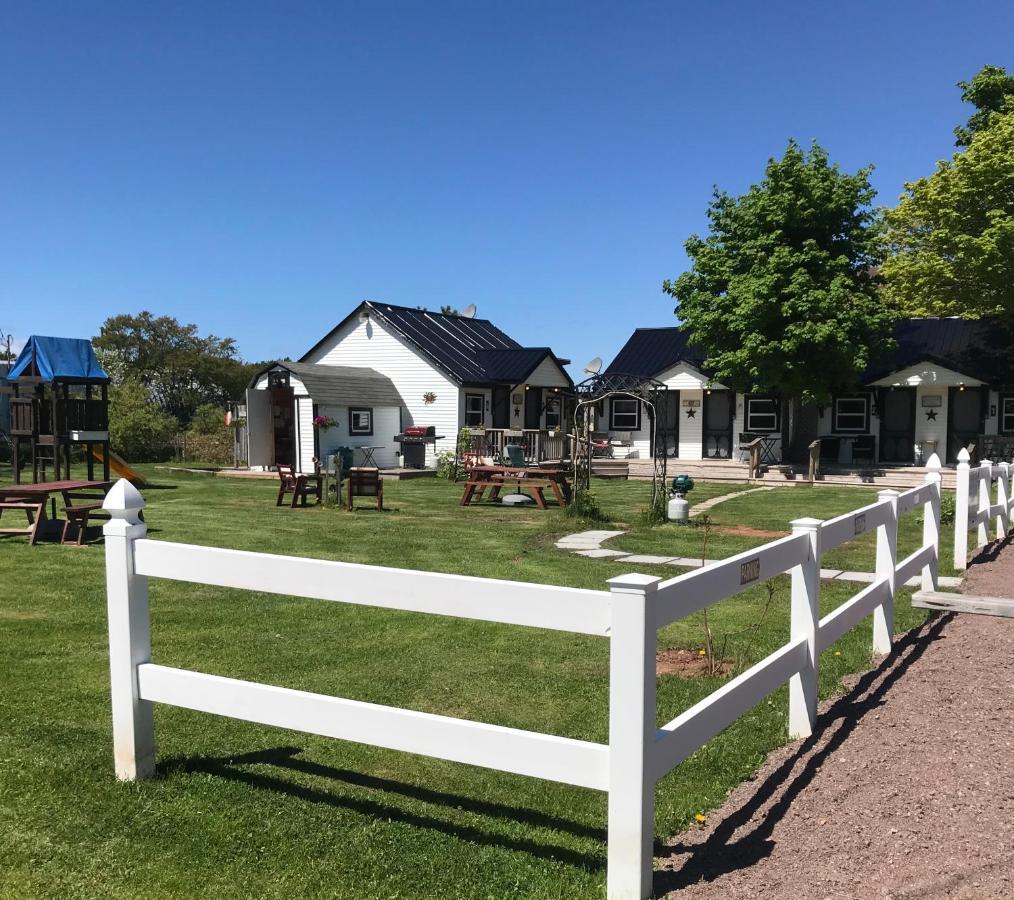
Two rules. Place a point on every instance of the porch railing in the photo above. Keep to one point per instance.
(538, 445)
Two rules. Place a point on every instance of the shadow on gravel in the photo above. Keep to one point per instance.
(719, 855)
(989, 553)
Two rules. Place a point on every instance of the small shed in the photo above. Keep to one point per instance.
(58, 397)
(285, 398)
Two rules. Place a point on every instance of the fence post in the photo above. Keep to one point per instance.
(887, 560)
(805, 624)
(931, 525)
(129, 634)
(1003, 517)
(961, 499)
(632, 729)
(985, 501)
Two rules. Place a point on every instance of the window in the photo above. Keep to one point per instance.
(475, 405)
(360, 420)
(1007, 414)
(761, 414)
(278, 378)
(851, 413)
(553, 412)
(625, 415)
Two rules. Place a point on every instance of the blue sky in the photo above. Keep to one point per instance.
(259, 168)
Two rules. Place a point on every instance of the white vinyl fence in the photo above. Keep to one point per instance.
(974, 506)
(638, 754)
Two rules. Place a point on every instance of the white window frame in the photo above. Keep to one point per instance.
(481, 398)
(863, 427)
(554, 411)
(1004, 415)
(772, 414)
(614, 425)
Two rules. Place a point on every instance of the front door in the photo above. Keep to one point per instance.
(719, 409)
(533, 408)
(897, 426)
(283, 424)
(669, 420)
(501, 407)
(966, 411)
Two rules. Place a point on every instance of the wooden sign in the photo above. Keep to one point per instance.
(693, 403)
(933, 400)
(749, 571)
(860, 524)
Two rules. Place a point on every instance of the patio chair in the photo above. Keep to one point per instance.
(363, 482)
(864, 449)
(600, 444)
(300, 486)
(515, 455)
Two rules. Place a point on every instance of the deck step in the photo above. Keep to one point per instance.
(944, 602)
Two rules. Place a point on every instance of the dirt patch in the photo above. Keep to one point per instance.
(747, 531)
(991, 572)
(688, 663)
(12, 615)
(905, 790)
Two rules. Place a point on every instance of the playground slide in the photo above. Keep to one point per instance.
(117, 464)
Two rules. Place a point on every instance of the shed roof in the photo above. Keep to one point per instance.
(58, 359)
(341, 385)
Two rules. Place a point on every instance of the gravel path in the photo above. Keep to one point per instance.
(906, 790)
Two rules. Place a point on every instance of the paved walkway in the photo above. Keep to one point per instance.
(589, 543)
(705, 505)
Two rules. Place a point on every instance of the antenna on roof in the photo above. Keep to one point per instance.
(594, 366)
(469, 311)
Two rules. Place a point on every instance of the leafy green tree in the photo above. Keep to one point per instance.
(208, 419)
(782, 295)
(951, 236)
(180, 368)
(991, 92)
(138, 429)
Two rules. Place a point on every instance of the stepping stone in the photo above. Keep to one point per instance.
(685, 562)
(648, 560)
(830, 573)
(601, 553)
(867, 577)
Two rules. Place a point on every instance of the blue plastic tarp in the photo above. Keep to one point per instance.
(71, 358)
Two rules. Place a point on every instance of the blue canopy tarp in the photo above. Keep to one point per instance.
(70, 359)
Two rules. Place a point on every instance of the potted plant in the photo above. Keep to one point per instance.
(323, 423)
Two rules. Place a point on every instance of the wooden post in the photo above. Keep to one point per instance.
(985, 501)
(805, 623)
(887, 560)
(129, 634)
(1002, 517)
(632, 727)
(961, 500)
(931, 526)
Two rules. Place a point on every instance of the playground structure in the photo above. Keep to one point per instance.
(59, 397)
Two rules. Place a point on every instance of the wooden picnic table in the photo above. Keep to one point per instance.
(31, 499)
(496, 478)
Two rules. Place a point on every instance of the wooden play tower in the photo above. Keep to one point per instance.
(59, 398)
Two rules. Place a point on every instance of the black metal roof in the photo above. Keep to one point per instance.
(979, 348)
(470, 351)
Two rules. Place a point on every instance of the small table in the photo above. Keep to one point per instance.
(32, 499)
(368, 461)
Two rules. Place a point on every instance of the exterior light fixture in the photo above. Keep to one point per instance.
(961, 385)
(526, 387)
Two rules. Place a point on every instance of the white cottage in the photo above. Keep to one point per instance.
(385, 367)
(949, 383)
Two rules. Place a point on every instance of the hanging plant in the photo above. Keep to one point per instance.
(429, 397)
(323, 423)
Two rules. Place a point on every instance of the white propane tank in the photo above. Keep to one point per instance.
(679, 509)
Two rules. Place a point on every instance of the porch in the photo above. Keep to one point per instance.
(539, 444)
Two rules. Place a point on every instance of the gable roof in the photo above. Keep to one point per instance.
(59, 359)
(650, 351)
(341, 385)
(470, 351)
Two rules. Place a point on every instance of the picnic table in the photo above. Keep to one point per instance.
(496, 478)
(31, 499)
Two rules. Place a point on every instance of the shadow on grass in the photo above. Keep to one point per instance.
(286, 759)
(719, 855)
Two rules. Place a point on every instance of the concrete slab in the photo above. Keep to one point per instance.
(830, 573)
(648, 560)
(685, 562)
(602, 553)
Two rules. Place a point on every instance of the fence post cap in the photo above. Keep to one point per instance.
(963, 456)
(124, 501)
(634, 583)
(807, 523)
(887, 494)
(934, 461)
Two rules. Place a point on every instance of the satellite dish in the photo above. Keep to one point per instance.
(593, 367)
(469, 311)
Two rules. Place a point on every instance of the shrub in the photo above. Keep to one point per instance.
(138, 429)
(447, 465)
(208, 419)
(584, 505)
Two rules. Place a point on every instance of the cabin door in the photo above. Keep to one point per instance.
(719, 409)
(966, 413)
(501, 407)
(668, 427)
(283, 423)
(533, 408)
(897, 425)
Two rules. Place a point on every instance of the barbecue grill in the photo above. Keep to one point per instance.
(413, 445)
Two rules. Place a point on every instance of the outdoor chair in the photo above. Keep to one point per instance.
(300, 486)
(621, 439)
(600, 445)
(79, 509)
(515, 456)
(864, 449)
(364, 482)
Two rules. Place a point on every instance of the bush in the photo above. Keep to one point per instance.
(947, 509)
(208, 419)
(585, 506)
(138, 430)
(214, 448)
(447, 465)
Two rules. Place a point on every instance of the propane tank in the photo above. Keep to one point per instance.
(678, 509)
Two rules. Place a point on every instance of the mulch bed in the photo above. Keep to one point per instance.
(688, 664)
(906, 790)
(747, 531)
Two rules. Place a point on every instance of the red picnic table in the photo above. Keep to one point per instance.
(31, 499)
(496, 478)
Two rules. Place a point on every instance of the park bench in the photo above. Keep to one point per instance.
(33, 507)
(79, 508)
(299, 485)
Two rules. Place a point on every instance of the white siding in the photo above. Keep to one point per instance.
(548, 374)
(691, 433)
(928, 374)
(928, 429)
(683, 376)
(373, 345)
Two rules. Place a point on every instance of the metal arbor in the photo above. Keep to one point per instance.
(649, 391)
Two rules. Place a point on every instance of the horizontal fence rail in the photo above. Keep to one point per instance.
(974, 506)
(638, 752)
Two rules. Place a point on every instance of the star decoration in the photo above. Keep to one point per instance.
(932, 415)
(691, 413)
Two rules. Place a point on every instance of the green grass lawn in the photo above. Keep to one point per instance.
(240, 810)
